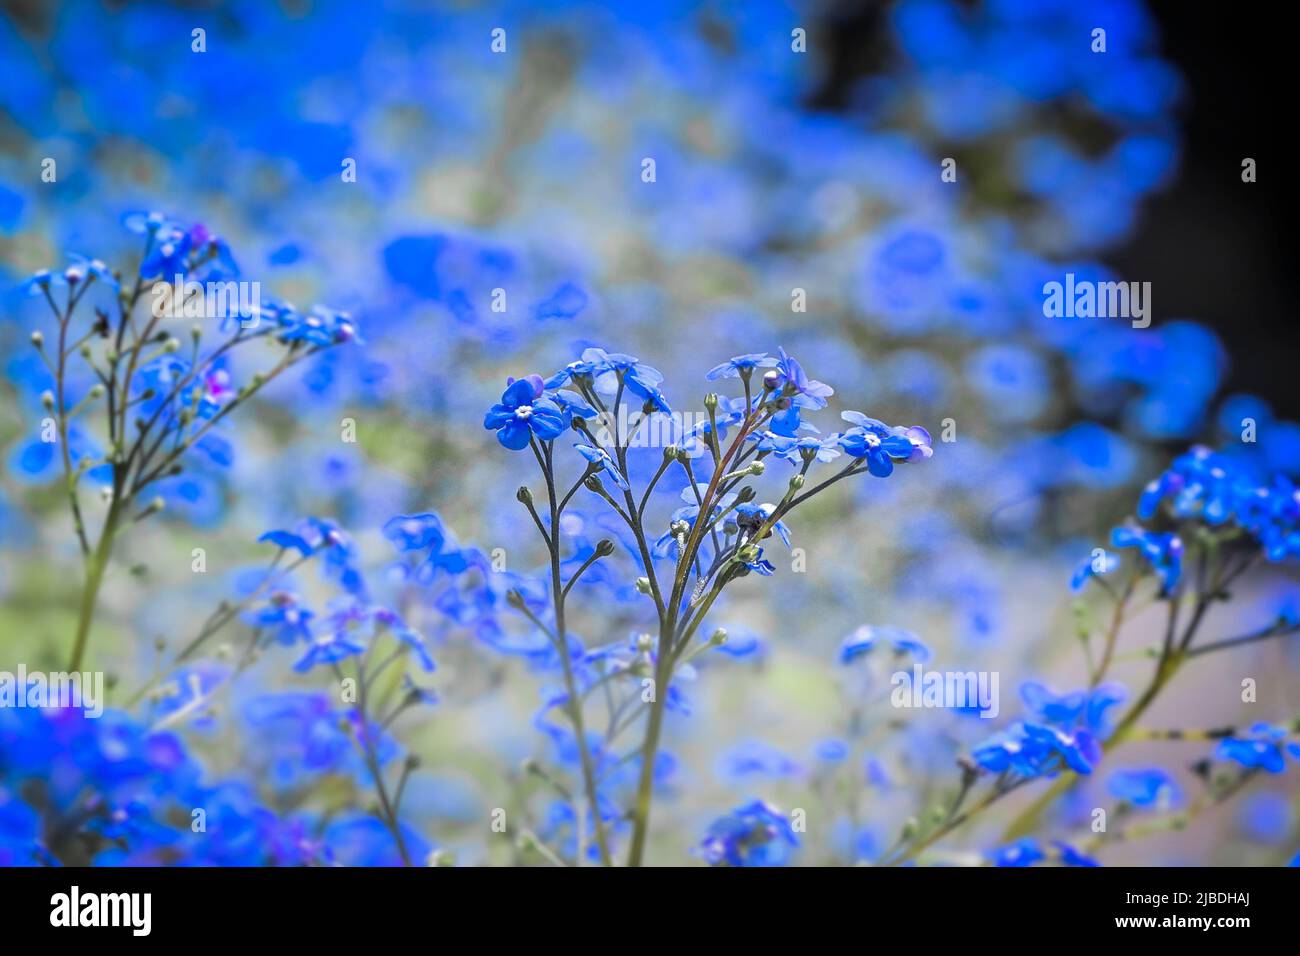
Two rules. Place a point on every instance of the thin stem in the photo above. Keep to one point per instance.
(562, 649)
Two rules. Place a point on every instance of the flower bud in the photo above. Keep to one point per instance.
(524, 495)
(718, 637)
(796, 482)
(643, 585)
(515, 598)
(711, 402)
(604, 547)
(771, 379)
(38, 339)
(47, 399)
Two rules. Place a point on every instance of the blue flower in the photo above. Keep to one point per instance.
(756, 834)
(321, 326)
(522, 413)
(338, 644)
(877, 443)
(798, 450)
(638, 378)
(1163, 551)
(858, 644)
(794, 382)
(415, 532)
(1143, 787)
(1264, 748)
(168, 253)
(572, 405)
(96, 269)
(581, 371)
(42, 281)
(864, 639)
(1081, 708)
(389, 621)
(288, 620)
(1092, 566)
(1033, 750)
(1024, 852)
(741, 365)
(601, 458)
(287, 540)
(1070, 856)
(1027, 851)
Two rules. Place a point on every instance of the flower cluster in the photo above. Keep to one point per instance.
(682, 565)
(160, 397)
(1205, 486)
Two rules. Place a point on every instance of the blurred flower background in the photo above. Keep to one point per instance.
(683, 182)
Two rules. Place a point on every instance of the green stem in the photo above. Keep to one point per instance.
(95, 568)
(645, 785)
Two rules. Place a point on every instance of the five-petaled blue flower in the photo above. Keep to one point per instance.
(741, 365)
(522, 413)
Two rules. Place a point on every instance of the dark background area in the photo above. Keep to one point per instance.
(1214, 248)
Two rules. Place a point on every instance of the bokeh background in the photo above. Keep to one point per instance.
(774, 171)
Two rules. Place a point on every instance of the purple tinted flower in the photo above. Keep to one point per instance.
(792, 379)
